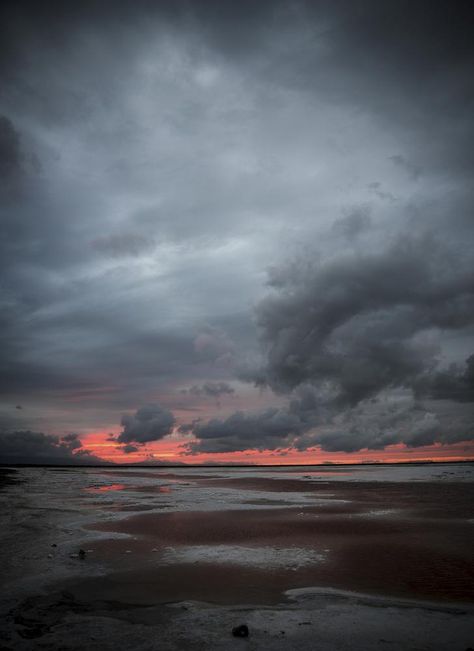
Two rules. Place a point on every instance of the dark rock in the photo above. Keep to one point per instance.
(241, 631)
(54, 545)
(82, 554)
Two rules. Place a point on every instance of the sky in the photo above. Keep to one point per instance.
(236, 232)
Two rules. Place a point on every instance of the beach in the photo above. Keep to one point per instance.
(345, 557)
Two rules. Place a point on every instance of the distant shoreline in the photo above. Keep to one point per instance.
(235, 465)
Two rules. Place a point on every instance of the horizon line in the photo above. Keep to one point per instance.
(232, 465)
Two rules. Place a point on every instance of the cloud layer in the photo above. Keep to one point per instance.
(274, 196)
(352, 332)
(26, 447)
(149, 423)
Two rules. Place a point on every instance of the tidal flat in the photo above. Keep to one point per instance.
(328, 557)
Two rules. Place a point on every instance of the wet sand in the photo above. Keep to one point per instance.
(8, 477)
(416, 549)
(326, 621)
(306, 562)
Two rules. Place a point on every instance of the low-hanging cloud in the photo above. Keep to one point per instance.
(27, 447)
(149, 423)
(261, 431)
(129, 448)
(454, 383)
(355, 324)
(352, 332)
(152, 177)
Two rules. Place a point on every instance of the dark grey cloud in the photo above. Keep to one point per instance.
(240, 431)
(11, 158)
(150, 423)
(349, 330)
(72, 441)
(273, 428)
(122, 244)
(353, 321)
(391, 420)
(353, 224)
(455, 383)
(302, 424)
(128, 449)
(211, 389)
(37, 448)
(158, 158)
(188, 428)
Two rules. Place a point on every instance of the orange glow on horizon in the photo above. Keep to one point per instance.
(172, 449)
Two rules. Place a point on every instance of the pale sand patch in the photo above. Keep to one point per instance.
(262, 557)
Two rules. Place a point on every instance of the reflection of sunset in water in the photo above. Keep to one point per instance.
(105, 489)
(120, 487)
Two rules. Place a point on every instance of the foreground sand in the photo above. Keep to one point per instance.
(162, 573)
(327, 621)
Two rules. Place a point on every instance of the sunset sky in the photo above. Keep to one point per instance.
(236, 231)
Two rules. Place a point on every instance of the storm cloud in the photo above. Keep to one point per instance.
(150, 423)
(27, 447)
(352, 330)
(274, 196)
(241, 431)
(357, 321)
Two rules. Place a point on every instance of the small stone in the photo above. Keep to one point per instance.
(54, 545)
(50, 556)
(82, 554)
(73, 555)
(241, 631)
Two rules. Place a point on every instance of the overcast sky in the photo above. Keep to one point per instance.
(236, 226)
